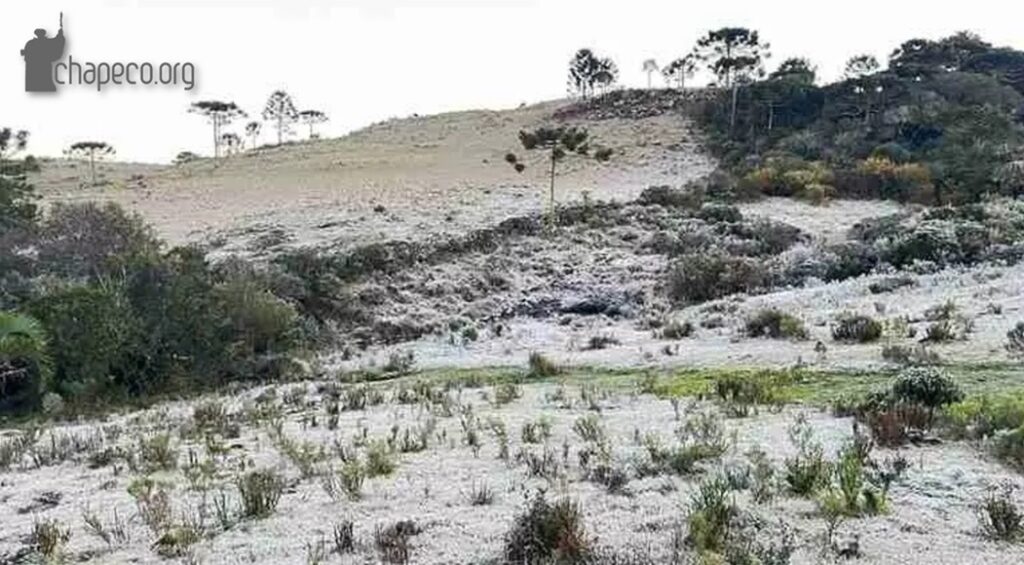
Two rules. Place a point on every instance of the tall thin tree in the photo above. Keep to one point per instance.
(680, 69)
(559, 143)
(311, 118)
(736, 56)
(219, 114)
(92, 151)
(252, 131)
(280, 109)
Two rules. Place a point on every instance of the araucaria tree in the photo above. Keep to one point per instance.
(588, 71)
(860, 71)
(280, 109)
(252, 131)
(220, 114)
(735, 55)
(559, 143)
(680, 70)
(311, 118)
(92, 151)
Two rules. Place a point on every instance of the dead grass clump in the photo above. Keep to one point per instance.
(114, 533)
(548, 532)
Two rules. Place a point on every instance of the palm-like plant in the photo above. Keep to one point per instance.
(23, 351)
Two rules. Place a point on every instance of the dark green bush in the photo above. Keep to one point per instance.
(17, 204)
(93, 335)
(548, 532)
(698, 277)
(926, 387)
(775, 324)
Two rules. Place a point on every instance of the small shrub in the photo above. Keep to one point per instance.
(379, 460)
(857, 329)
(1015, 341)
(926, 387)
(807, 472)
(698, 277)
(763, 482)
(157, 454)
(891, 284)
(505, 393)
(1009, 447)
(352, 475)
(153, 503)
(589, 428)
(541, 366)
(344, 537)
(712, 511)
(999, 516)
(393, 541)
(674, 329)
(915, 355)
(48, 537)
(114, 534)
(982, 416)
(537, 431)
(261, 491)
(600, 342)
(742, 392)
(399, 363)
(547, 532)
(481, 495)
(774, 324)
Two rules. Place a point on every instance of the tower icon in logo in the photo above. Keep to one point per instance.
(40, 53)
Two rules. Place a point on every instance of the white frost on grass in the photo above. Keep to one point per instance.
(932, 518)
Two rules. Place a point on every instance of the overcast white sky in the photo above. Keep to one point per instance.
(364, 60)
